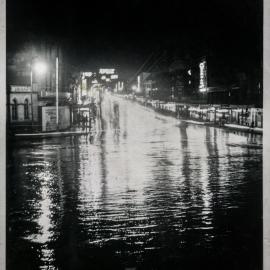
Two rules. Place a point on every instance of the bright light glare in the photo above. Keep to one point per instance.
(134, 87)
(40, 67)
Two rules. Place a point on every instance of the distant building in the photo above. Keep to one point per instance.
(228, 83)
(207, 79)
(145, 83)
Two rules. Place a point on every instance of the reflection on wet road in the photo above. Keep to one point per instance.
(145, 191)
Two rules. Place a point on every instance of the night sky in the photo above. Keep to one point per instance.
(123, 33)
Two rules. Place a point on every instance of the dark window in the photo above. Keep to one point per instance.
(14, 110)
(26, 109)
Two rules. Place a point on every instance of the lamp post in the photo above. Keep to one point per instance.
(31, 88)
(40, 68)
(56, 94)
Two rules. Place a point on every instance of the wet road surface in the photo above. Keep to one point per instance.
(145, 191)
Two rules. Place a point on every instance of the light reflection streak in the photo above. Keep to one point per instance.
(139, 182)
(44, 223)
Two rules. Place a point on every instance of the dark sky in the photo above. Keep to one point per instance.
(124, 32)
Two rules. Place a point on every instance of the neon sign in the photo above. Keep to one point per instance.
(87, 74)
(106, 71)
(114, 76)
(203, 76)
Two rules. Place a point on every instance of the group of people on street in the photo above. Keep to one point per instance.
(84, 118)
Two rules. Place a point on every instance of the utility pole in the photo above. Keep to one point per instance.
(56, 89)
(31, 89)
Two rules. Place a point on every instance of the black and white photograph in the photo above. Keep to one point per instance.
(134, 135)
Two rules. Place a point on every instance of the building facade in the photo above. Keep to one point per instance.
(29, 89)
(23, 106)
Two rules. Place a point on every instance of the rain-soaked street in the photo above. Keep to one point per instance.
(145, 191)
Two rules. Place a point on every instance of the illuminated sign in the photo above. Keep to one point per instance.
(106, 71)
(121, 86)
(139, 84)
(87, 74)
(103, 77)
(84, 87)
(114, 76)
(203, 76)
(108, 80)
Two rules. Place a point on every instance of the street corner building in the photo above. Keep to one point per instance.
(35, 76)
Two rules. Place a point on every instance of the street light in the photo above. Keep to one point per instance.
(40, 68)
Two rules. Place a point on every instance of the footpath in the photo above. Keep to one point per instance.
(51, 134)
(228, 117)
(232, 127)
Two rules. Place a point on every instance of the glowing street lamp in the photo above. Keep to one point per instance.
(40, 68)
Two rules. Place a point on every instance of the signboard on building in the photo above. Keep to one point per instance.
(20, 88)
(84, 87)
(51, 94)
(87, 74)
(49, 118)
(114, 76)
(203, 76)
(106, 71)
